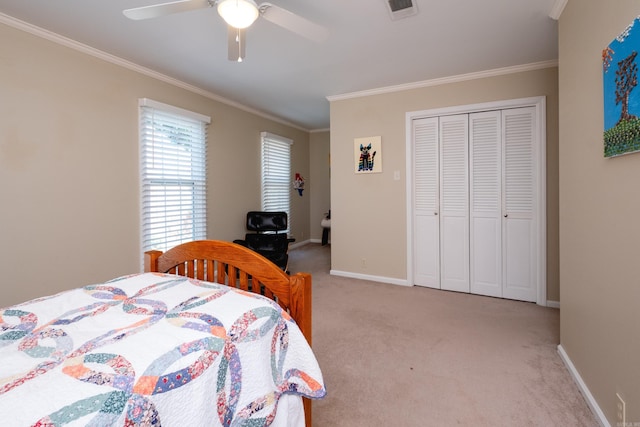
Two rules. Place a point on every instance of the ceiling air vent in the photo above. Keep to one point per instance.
(402, 8)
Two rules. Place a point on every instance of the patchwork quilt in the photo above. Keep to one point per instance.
(152, 350)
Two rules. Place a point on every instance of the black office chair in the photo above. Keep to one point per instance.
(267, 236)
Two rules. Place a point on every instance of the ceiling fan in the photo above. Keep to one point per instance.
(239, 15)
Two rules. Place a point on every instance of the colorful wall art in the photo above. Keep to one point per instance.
(621, 96)
(367, 153)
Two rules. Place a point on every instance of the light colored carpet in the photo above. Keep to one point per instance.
(411, 356)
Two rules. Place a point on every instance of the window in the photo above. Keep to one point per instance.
(173, 175)
(276, 174)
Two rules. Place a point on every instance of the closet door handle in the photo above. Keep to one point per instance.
(435, 213)
(506, 215)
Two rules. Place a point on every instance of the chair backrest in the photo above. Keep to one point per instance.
(275, 243)
(261, 222)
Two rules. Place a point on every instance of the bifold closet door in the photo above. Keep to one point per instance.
(476, 203)
(426, 222)
(520, 204)
(503, 203)
(441, 206)
(485, 170)
(454, 202)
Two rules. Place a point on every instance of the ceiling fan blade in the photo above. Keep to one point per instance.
(293, 22)
(156, 10)
(236, 43)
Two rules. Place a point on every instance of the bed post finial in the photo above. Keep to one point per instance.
(151, 261)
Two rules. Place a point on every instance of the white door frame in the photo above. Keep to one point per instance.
(539, 103)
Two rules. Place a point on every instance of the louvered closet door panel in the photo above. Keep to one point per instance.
(520, 204)
(426, 240)
(454, 203)
(485, 223)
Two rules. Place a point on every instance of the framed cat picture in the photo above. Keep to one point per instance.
(367, 153)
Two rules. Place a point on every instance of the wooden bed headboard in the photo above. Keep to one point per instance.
(234, 265)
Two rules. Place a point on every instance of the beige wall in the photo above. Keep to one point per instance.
(599, 216)
(369, 212)
(320, 192)
(69, 190)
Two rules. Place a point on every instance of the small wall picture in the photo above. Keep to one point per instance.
(367, 153)
(621, 97)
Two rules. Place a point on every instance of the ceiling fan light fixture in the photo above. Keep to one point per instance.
(238, 13)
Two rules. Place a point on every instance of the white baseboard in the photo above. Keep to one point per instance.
(298, 244)
(320, 241)
(382, 279)
(591, 401)
(553, 304)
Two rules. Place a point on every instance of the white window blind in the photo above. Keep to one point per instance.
(173, 175)
(276, 174)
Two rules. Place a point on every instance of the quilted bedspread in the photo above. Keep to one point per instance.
(151, 350)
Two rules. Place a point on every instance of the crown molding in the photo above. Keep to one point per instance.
(80, 47)
(446, 80)
(557, 9)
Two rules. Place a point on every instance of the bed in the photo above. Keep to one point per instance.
(187, 343)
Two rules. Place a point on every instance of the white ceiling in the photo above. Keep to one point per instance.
(289, 77)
